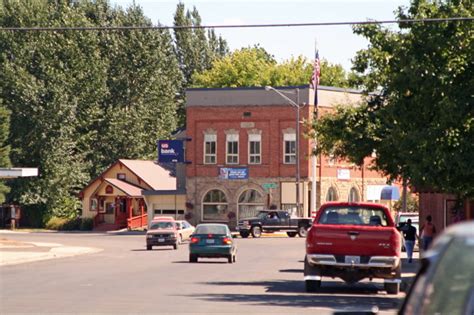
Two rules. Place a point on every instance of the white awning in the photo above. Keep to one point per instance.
(18, 172)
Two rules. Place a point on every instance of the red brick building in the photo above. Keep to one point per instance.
(444, 209)
(242, 149)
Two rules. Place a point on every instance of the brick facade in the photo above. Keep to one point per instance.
(246, 111)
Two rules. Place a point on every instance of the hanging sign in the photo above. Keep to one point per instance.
(170, 151)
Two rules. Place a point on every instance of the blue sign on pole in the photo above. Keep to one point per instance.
(233, 173)
(170, 151)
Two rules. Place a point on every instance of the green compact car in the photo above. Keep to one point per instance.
(212, 241)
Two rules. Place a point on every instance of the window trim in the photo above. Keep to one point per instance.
(289, 137)
(231, 138)
(210, 138)
(256, 138)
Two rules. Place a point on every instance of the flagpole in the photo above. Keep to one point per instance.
(313, 157)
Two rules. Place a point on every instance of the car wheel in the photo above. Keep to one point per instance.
(302, 231)
(244, 234)
(148, 247)
(230, 259)
(193, 258)
(256, 231)
(392, 288)
(291, 234)
(312, 285)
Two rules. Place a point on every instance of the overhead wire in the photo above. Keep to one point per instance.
(218, 26)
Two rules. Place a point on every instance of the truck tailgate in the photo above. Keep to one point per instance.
(353, 240)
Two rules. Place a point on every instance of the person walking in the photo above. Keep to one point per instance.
(428, 231)
(409, 234)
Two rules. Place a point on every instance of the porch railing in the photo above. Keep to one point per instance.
(137, 222)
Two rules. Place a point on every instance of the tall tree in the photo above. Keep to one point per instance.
(254, 66)
(421, 125)
(81, 100)
(195, 50)
(4, 147)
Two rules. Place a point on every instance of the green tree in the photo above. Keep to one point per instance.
(421, 123)
(4, 148)
(195, 51)
(253, 66)
(81, 100)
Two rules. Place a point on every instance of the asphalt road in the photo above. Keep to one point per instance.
(126, 278)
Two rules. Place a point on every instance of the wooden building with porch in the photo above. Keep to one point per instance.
(116, 199)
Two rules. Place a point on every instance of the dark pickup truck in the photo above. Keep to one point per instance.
(273, 221)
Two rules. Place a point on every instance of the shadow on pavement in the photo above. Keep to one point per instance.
(366, 295)
(296, 286)
(201, 262)
(292, 270)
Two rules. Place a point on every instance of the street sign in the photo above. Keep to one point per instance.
(268, 186)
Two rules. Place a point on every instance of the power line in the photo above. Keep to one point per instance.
(164, 27)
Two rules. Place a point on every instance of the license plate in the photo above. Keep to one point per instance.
(210, 241)
(352, 259)
(161, 240)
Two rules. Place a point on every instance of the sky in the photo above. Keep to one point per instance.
(337, 44)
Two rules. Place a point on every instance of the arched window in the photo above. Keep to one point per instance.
(353, 195)
(251, 201)
(331, 195)
(214, 206)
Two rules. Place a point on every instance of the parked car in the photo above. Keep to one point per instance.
(353, 241)
(185, 229)
(445, 282)
(212, 241)
(273, 221)
(162, 232)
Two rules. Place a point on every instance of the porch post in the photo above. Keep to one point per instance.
(141, 212)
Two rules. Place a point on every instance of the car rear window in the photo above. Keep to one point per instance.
(211, 229)
(162, 225)
(353, 216)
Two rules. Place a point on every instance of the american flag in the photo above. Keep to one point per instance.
(315, 77)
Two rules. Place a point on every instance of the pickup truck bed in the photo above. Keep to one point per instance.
(353, 241)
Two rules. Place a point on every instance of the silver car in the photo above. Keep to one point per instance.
(445, 282)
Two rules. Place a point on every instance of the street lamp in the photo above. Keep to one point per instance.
(298, 107)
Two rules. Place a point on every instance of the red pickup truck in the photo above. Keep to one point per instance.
(353, 241)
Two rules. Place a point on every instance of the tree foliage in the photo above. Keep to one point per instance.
(253, 66)
(4, 147)
(82, 100)
(421, 123)
(195, 50)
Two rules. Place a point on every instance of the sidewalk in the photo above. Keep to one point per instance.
(14, 252)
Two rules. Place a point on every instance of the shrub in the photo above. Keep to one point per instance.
(87, 224)
(63, 224)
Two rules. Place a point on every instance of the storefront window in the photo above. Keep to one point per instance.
(331, 195)
(250, 203)
(353, 195)
(215, 206)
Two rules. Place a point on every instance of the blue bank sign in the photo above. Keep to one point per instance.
(170, 151)
(233, 173)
